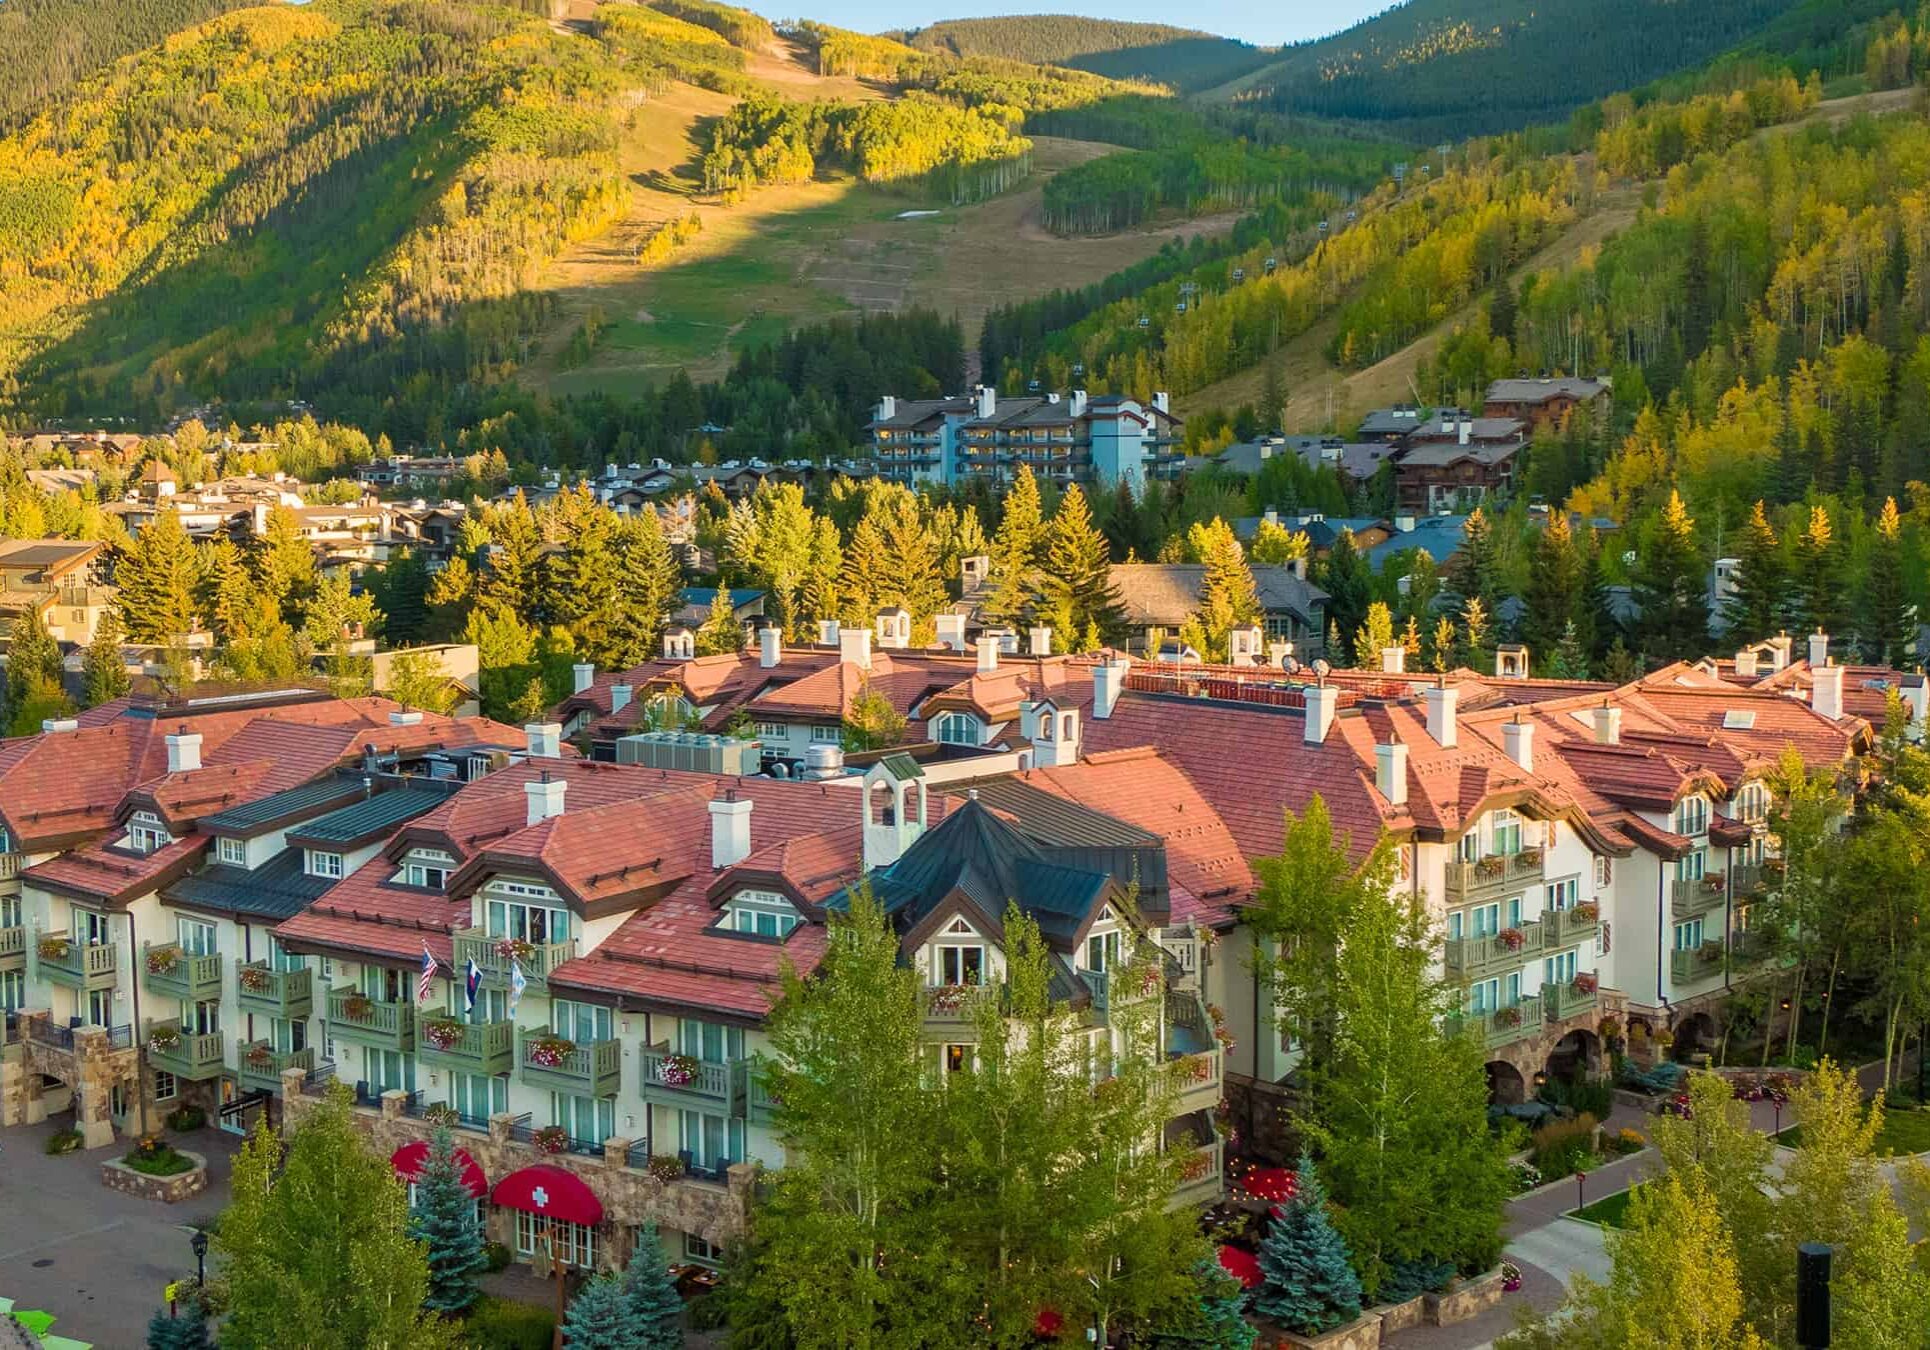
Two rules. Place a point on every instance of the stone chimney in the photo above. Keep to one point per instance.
(854, 646)
(545, 739)
(988, 655)
(770, 646)
(1819, 648)
(1826, 691)
(1108, 683)
(620, 696)
(545, 796)
(184, 750)
(951, 631)
(1390, 771)
(1608, 725)
(1041, 638)
(828, 632)
(1518, 741)
(1442, 722)
(730, 829)
(1746, 662)
(1323, 702)
(582, 676)
(1393, 660)
(1055, 737)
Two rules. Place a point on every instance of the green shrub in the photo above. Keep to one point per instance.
(185, 1118)
(63, 1141)
(498, 1256)
(504, 1324)
(1562, 1146)
(1583, 1096)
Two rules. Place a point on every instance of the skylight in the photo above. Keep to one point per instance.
(1739, 719)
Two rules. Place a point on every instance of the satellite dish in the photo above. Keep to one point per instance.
(1291, 665)
(1321, 668)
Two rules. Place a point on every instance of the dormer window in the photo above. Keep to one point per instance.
(761, 912)
(957, 728)
(145, 832)
(1752, 802)
(320, 864)
(1507, 833)
(1692, 816)
(232, 852)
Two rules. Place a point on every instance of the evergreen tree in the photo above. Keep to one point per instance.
(598, 1318)
(1214, 1320)
(104, 668)
(187, 1331)
(869, 572)
(1883, 621)
(222, 585)
(1349, 582)
(656, 1311)
(285, 563)
(1670, 587)
(649, 590)
(818, 594)
(1819, 576)
(514, 575)
(1621, 665)
(1754, 608)
(1476, 650)
(156, 581)
(1570, 660)
(1441, 645)
(1310, 1285)
(450, 597)
(1476, 574)
(1228, 596)
(720, 631)
(1015, 555)
(915, 580)
(1076, 579)
(445, 1221)
(1794, 470)
(401, 591)
(1554, 590)
(34, 669)
(1502, 311)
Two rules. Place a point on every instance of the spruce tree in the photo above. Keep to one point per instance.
(185, 1331)
(1883, 622)
(1818, 590)
(1076, 580)
(285, 563)
(649, 589)
(103, 667)
(656, 1312)
(868, 574)
(1216, 1320)
(1310, 1285)
(1554, 590)
(916, 581)
(33, 660)
(451, 595)
(156, 580)
(1670, 587)
(581, 585)
(818, 592)
(513, 576)
(1570, 658)
(1349, 581)
(445, 1220)
(1476, 572)
(720, 632)
(1015, 554)
(1754, 608)
(598, 1318)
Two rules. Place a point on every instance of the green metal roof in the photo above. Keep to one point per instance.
(276, 890)
(278, 808)
(371, 818)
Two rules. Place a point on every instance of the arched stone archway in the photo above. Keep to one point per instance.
(1506, 1086)
(1576, 1056)
(1695, 1034)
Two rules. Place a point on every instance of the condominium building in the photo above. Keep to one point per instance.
(1062, 439)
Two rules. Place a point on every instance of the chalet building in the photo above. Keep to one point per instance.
(59, 579)
(1158, 599)
(1545, 403)
(1062, 439)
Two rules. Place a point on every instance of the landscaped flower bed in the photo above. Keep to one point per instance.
(155, 1158)
(666, 1167)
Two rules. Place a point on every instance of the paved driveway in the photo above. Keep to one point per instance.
(94, 1258)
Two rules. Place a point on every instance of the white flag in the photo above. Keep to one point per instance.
(516, 984)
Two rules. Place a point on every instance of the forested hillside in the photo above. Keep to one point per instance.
(48, 45)
(1182, 58)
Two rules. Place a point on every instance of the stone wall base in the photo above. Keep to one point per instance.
(118, 1176)
(1401, 1316)
(1361, 1334)
(1463, 1301)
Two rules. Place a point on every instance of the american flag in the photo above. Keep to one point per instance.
(428, 974)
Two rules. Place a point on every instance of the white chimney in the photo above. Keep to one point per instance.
(583, 675)
(1078, 407)
(620, 696)
(988, 400)
(184, 751)
(1746, 663)
(828, 632)
(1108, 683)
(951, 631)
(1055, 740)
(1916, 697)
(887, 408)
(1393, 660)
(1518, 741)
(1779, 647)
(894, 628)
(1390, 771)
(1041, 640)
(405, 718)
(1826, 691)
(1442, 723)
(545, 797)
(854, 646)
(988, 655)
(1608, 725)
(1467, 430)
(1819, 648)
(770, 646)
(1322, 703)
(545, 739)
(57, 724)
(730, 829)
(1163, 402)
(1278, 652)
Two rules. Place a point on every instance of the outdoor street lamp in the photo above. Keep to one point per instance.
(200, 1244)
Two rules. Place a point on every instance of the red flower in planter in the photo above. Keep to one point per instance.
(1587, 982)
(1512, 938)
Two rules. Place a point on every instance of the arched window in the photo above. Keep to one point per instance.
(957, 728)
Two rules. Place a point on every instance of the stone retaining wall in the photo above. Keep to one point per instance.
(118, 1176)
(1464, 1300)
(1361, 1334)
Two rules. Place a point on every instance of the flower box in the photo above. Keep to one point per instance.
(1491, 866)
(444, 1033)
(1508, 1017)
(666, 1167)
(1709, 953)
(1529, 857)
(54, 948)
(1587, 912)
(358, 1007)
(255, 979)
(947, 998)
(1713, 885)
(515, 949)
(1609, 1028)
(550, 1051)
(677, 1070)
(551, 1139)
(1195, 1167)
(1198, 1068)
(1586, 982)
(260, 1055)
(164, 1040)
(441, 1113)
(163, 960)
(1512, 938)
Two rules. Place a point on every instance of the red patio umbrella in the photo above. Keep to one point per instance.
(1242, 1265)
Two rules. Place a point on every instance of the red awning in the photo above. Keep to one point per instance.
(1242, 1265)
(551, 1192)
(409, 1159)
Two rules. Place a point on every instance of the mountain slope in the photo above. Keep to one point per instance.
(46, 46)
(1183, 58)
(1444, 69)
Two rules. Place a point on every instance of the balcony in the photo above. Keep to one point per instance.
(1575, 999)
(1696, 895)
(1500, 1026)
(760, 1103)
(467, 1047)
(260, 1065)
(1493, 875)
(175, 1051)
(1571, 927)
(950, 1012)
(1122, 987)
(667, 1079)
(1687, 966)
(354, 1016)
(1197, 1080)
(1751, 947)
(1749, 879)
(78, 965)
(13, 948)
(1509, 947)
(10, 864)
(493, 956)
(592, 1069)
(287, 994)
(171, 972)
(1201, 1178)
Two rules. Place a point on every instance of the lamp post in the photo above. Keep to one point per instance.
(1812, 1296)
(200, 1244)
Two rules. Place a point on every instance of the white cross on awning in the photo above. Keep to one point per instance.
(541, 1197)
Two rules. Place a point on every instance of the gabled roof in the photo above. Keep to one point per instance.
(1167, 594)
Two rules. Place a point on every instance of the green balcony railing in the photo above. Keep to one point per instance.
(1569, 1000)
(287, 994)
(1500, 1026)
(478, 1047)
(950, 1010)
(495, 956)
(1509, 947)
(670, 1079)
(354, 1016)
(172, 972)
(760, 1103)
(1691, 964)
(1571, 927)
(78, 965)
(259, 1066)
(184, 1054)
(588, 1069)
(1495, 873)
(1201, 1178)
(1696, 895)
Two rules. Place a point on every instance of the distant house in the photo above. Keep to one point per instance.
(1543, 403)
(1163, 596)
(745, 605)
(1455, 461)
(57, 579)
(1060, 438)
(1356, 461)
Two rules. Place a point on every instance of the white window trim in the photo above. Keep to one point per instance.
(321, 863)
(233, 852)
